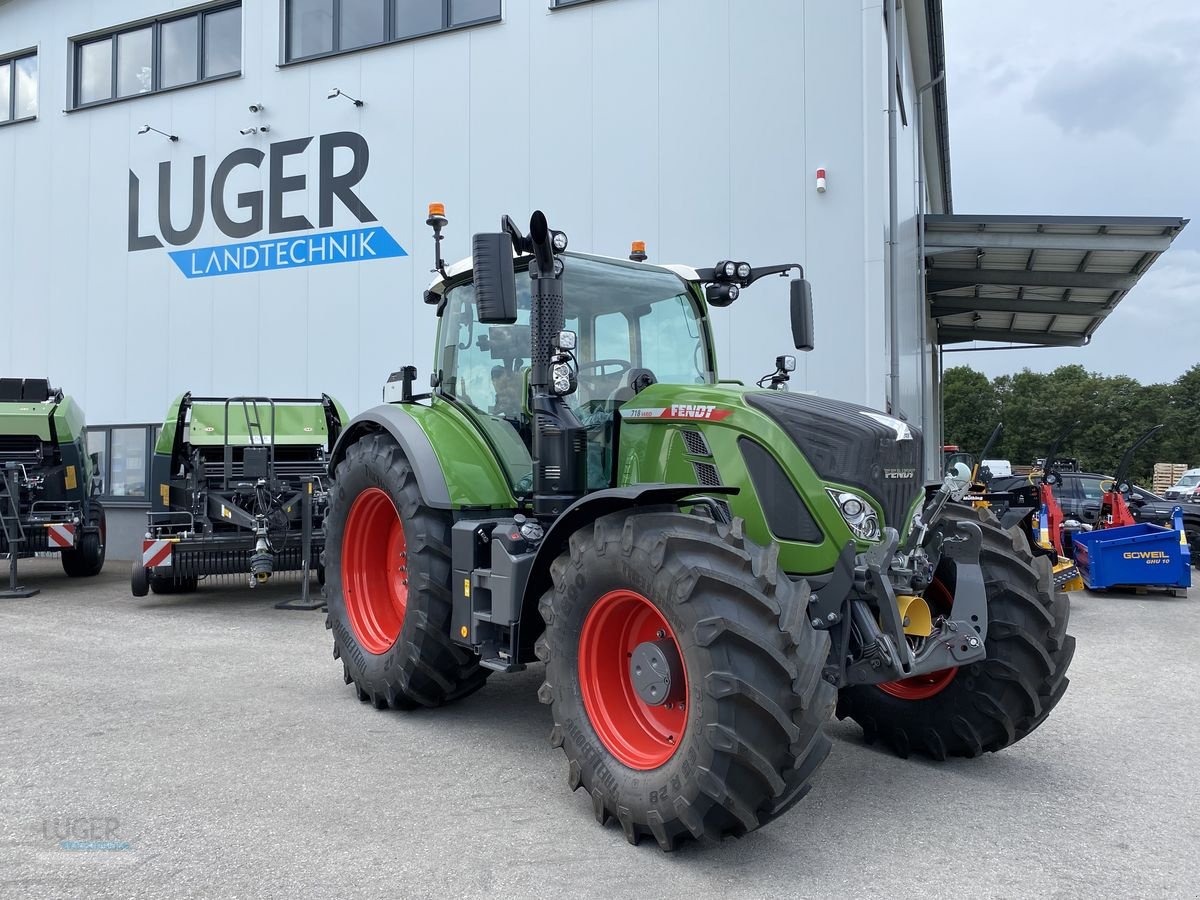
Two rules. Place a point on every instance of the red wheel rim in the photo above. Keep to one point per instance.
(639, 735)
(375, 570)
(922, 687)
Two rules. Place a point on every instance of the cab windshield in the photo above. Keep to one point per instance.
(635, 325)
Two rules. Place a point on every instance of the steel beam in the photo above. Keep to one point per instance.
(990, 240)
(954, 279)
(953, 334)
(956, 306)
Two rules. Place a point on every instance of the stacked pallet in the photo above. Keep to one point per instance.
(1166, 474)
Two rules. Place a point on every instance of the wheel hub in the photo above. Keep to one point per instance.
(656, 672)
(632, 679)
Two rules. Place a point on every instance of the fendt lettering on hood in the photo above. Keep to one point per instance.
(678, 411)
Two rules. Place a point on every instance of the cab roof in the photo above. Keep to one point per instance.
(684, 273)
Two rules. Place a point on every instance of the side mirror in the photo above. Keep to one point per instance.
(495, 282)
(802, 314)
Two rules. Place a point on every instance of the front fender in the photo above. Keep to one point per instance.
(590, 508)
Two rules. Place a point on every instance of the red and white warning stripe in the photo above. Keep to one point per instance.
(60, 536)
(156, 553)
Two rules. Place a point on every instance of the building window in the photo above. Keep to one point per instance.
(558, 4)
(18, 88)
(128, 462)
(315, 28)
(122, 454)
(97, 446)
(166, 53)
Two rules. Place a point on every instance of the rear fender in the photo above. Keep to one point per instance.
(386, 419)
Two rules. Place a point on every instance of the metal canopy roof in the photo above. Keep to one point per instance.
(1047, 280)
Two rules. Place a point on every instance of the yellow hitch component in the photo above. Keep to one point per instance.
(69, 475)
(915, 615)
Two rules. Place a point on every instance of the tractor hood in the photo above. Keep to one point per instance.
(850, 444)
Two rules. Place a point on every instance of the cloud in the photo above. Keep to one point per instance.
(1136, 93)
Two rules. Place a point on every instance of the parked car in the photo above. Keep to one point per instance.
(1080, 494)
(1186, 488)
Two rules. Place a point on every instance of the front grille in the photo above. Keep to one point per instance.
(845, 443)
(706, 474)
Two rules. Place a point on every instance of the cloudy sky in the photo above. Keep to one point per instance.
(1086, 107)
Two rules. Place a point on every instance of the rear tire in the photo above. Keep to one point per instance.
(86, 560)
(996, 702)
(743, 748)
(388, 584)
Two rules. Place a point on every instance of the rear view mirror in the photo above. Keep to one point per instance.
(495, 282)
(802, 314)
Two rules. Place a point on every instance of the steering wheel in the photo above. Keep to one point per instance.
(597, 364)
(625, 365)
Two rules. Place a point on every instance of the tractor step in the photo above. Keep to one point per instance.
(496, 664)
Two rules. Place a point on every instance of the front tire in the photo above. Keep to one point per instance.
(993, 703)
(388, 584)
(742, 747)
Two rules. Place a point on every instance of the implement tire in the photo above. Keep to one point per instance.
(742, 747)
(139, 579)
(166, 584)
(388, 584)
(86, 560)
(993, 703)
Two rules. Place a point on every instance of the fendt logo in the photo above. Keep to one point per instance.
(253, 207)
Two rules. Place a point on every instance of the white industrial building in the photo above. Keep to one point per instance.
(230, 198)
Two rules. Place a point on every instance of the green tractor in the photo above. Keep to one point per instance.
(48, 481)
(706, 571)
(239, 490)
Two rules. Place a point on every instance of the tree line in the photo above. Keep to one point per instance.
(1109, 413)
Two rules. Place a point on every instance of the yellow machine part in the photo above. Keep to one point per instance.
(1073, 580)
(915, 615)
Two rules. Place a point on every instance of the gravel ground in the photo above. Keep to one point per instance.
(210, 742)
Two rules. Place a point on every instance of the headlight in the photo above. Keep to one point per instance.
(858, 514)
(729, 269)
(743, 271)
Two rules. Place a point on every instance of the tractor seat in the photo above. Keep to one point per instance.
(632, 383)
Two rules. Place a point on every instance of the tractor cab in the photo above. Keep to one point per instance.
(635, 325)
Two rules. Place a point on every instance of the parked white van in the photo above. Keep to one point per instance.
(1187, 488)
(1000, 468)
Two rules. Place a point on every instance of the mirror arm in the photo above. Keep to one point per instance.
(781, 271)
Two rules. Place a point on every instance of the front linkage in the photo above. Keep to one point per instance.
(875, 597)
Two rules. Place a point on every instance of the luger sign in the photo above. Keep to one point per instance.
(258, 211)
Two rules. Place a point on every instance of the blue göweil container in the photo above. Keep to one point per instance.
(1141, 555)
